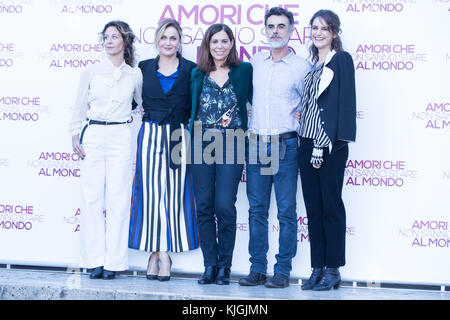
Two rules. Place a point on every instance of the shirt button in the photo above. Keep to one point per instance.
(321, 109)
(323, 122)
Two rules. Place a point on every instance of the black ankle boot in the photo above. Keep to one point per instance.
(278, 280)
(209, 276)
(331, 279)
(253, 279)
(314, 279)
(223, 276)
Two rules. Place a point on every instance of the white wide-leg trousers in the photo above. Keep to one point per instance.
(106, 182)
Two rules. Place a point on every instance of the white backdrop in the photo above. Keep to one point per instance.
(397, 182)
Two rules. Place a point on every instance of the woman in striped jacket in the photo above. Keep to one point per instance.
(327, 125)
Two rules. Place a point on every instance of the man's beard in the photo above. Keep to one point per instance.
(278, 44)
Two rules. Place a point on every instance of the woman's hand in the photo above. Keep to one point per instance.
(77, 147)
(297, 115)
(317, 166)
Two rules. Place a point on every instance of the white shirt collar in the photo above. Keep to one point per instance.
(112, 65)
(284, 59)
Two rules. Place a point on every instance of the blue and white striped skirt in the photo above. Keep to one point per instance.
(163, 215)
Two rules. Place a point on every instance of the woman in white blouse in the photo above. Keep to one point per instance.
(102, 138)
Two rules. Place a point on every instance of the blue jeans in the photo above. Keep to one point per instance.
(259, 189)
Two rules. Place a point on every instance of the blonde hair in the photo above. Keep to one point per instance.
(162, 27)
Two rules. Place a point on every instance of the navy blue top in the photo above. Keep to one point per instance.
(167, 81)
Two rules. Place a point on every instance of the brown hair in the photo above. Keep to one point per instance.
(205, 59)
(333, 22)
(127, 36)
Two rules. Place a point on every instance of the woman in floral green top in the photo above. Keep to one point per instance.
(218, 105)
(221, 86)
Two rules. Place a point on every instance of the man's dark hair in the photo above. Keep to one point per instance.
(278, 11)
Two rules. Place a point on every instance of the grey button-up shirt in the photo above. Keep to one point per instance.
(277, 92)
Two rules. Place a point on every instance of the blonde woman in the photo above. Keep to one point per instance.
(163, 211)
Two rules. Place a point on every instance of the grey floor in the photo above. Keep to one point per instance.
(26, 284)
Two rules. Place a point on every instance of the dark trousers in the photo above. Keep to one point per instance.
(322, 193)
(215, 189)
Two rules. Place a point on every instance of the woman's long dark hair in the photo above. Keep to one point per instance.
(128, 37)
(333, 22)
(205, 59)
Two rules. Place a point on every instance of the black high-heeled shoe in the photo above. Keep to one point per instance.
(108, 275)
(150, 276)
(165, 278)
(331, 279)
(314, 279)
(97, 273)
